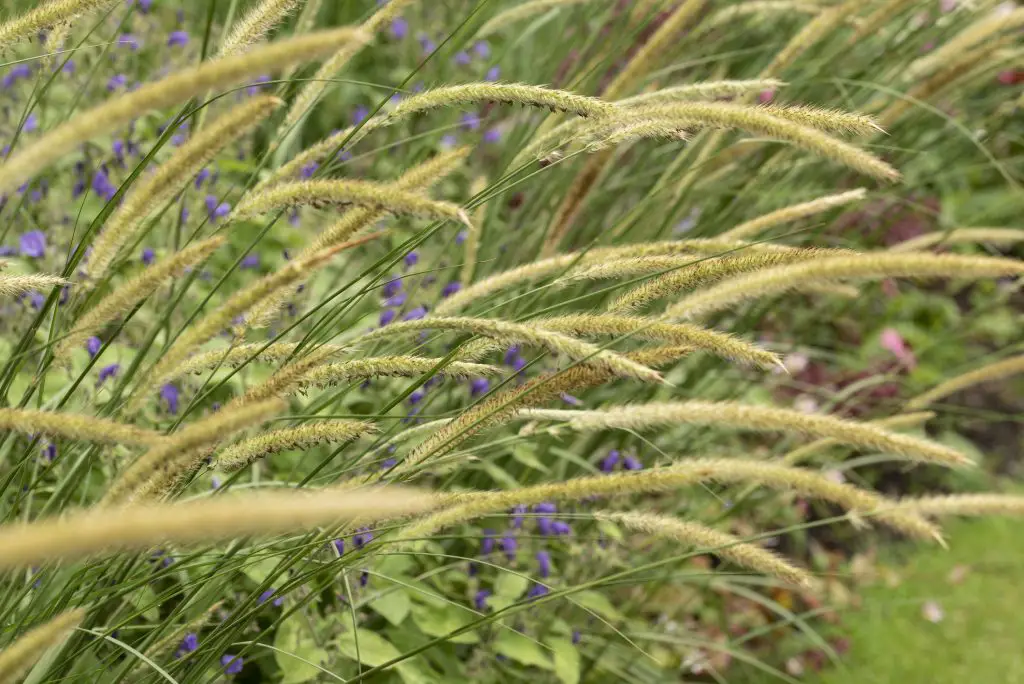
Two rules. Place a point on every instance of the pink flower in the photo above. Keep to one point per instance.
(894, 343)
(766, 96)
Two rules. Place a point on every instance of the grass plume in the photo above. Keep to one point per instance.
(20, 656)
(1002, 237)
(140, 527)
(965, 504)
(74, 426)
(757, 418)
(794, 212)
(991, 371)
(702, 90)
(14, 285)
(47, 15)
(158, 188)
(171, 90)
(523, 11)
(256, 24)
(704, 538)
(304, 436)
(127, 296)
(854, 267)
(801, 454)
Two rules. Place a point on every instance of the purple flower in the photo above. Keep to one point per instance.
(169, 393)
(451, 288)
(391, 288)
(265, 596)
(478, 386)
(33, 244)
(415, 314)
(148, 256)
(632, 463)
(145, 6)
(360, 114)
(388, 463)
(93, 345)
(50, 451)
(518, 364)
(363, 538)
(411, 259)
(536, 591)
(544, 563)
(108, 372)
(18, 71)
(201, 177)
(216, 210)
(561, 528)
(510, 355)
(397, 300)
(471, 121)
(544, 526)
(309, 169)
(256, 86)
(416, 397)
(609, 462)
(493, 74)
(189, 643)
(462, 58)
(177, 39)
(545, 507)
(509, 546)
(487, 544)
(31, 123)
(116, 81)
(461, 236)
(36, 300)
(399, 28)
(7, 251)
(386, 316)
(480, 600)
(232, 664)
(517, 515)
(482, 49)
(185, 213)
(492, 135)
(449, 140)
(128, 39)
(339, 546)
(102, 186)
(251, 261)
(426, 44)
(576, 636)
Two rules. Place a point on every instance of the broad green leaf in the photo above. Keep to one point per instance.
(528, 458)
(293, 639)
(511, 585)
(260, 570)
(440, 621)
(521, 649)
(499, 475)
(598, 603)
(373, 648)
(144, 601)
(567, 659)
(393, 606)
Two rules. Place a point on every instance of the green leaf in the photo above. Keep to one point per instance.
(373, 648)
(567, 659)
(598, 603)
(292, 639)
(521, 649)
(440, 621)
(510, 585)
(525, 455)
(144, 600)
(259, 571)
(393, 606)
(500, 476)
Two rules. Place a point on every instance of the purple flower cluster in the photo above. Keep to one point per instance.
(611, 461)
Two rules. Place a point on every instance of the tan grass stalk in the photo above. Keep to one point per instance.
(315, 87)
(551, 265)
(518, 333)
(287, 379)
(702, 90)
(324, 193)
(757, 418)
(856, 267)
(795, 212)
(620, 132)
(171, 90)
(154, 190)
(20, 656)
(136, 290)
(233, 357)
(14, 285)
(758, 7)
(997, 370)
(813, 32)
(74, 426)
(769, 121)
(174, 455)
(45, 16)
(829, 120)
(140, 527)
(523, 11)
(801, 454)
(221, 318)
(247, 452)
(691, 336)
(1003, 237)
(724, 545)
(982, 30)
(965, 504)
(256, 24)
(472, 243)
(331, 374)
(706, 272)
(463, 507)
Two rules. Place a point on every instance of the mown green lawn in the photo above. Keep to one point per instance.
(978, 585)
